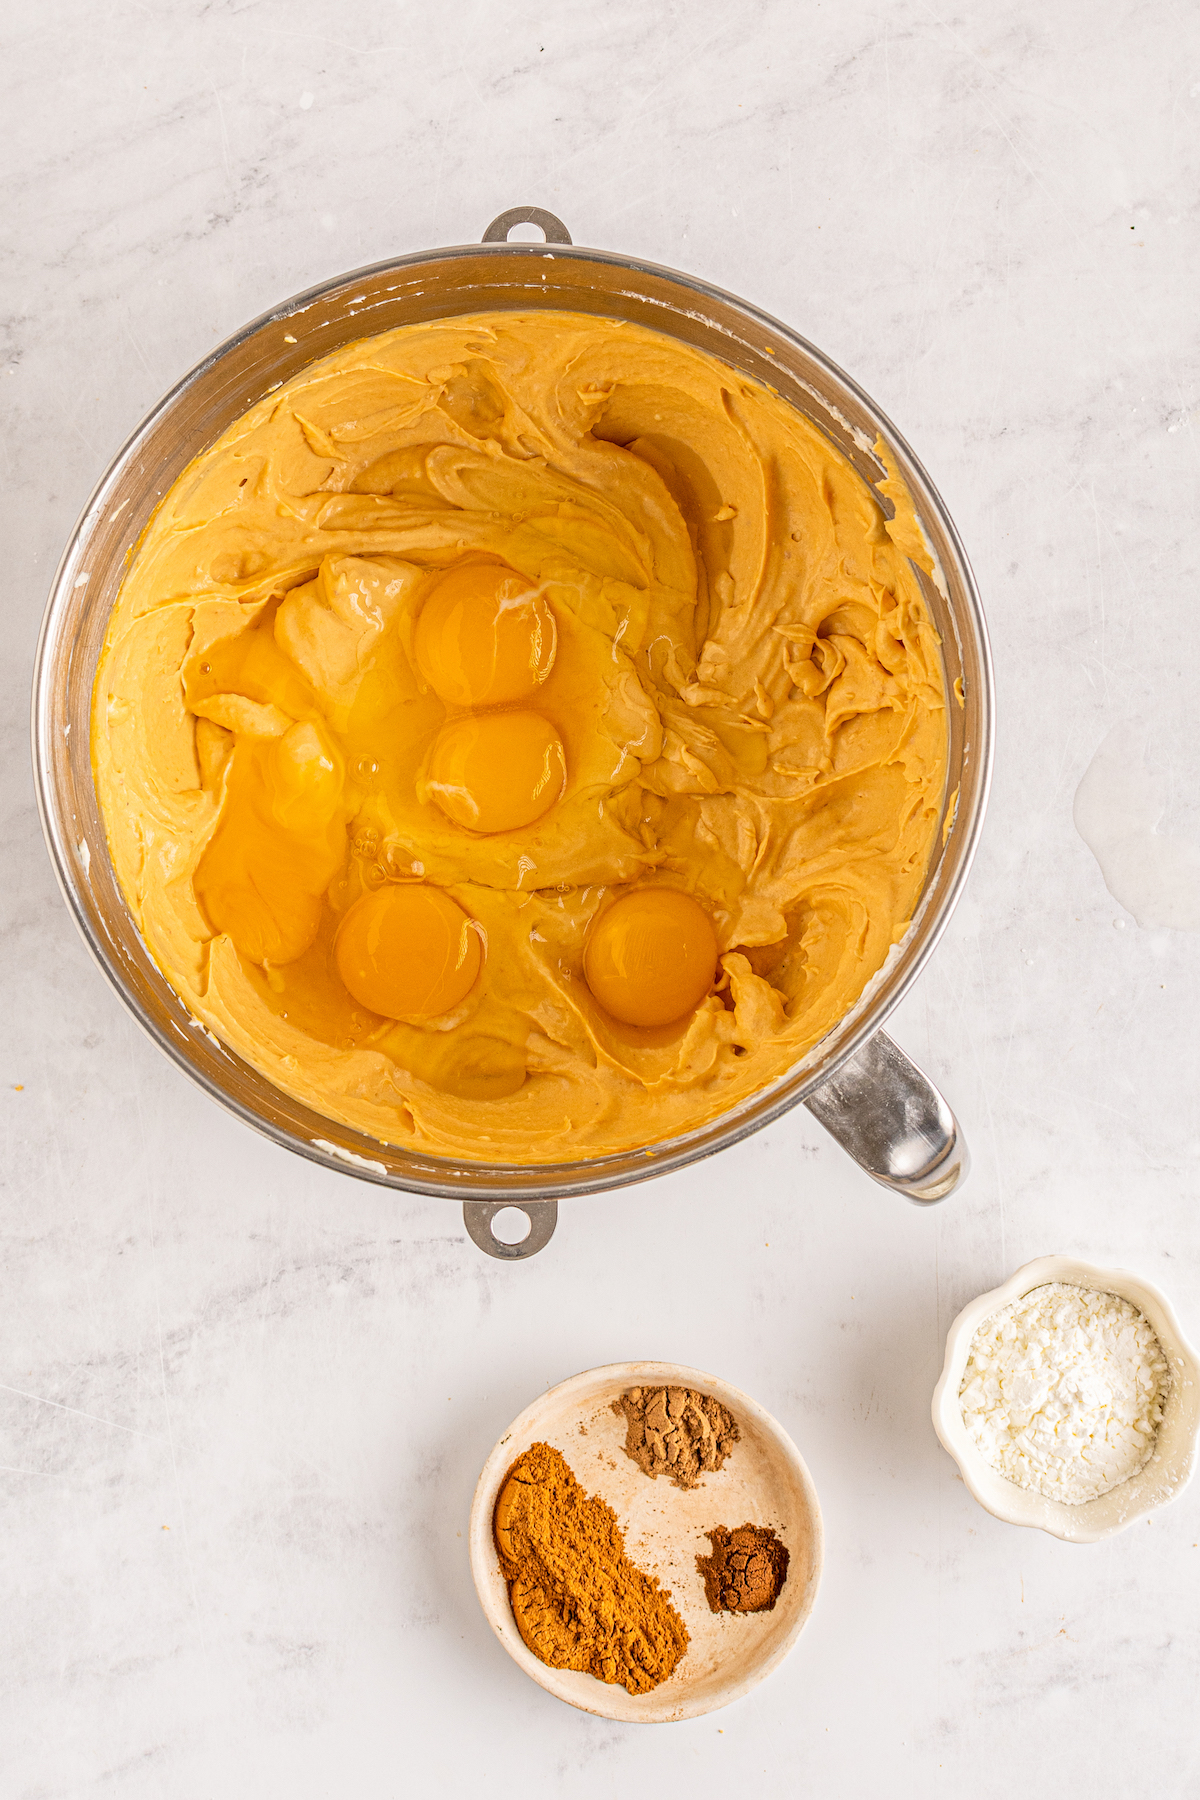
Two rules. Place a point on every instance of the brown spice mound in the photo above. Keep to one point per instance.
(578, 1601)
(677, 1432)
(746, 1570)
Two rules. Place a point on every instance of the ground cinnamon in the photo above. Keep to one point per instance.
(746, 1570)
(578, 1601)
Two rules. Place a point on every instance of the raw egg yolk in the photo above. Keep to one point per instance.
(651, 957)
(496, 771)
(485, 636)
(408, 952)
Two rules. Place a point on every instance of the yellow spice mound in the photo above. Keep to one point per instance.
(522, 737)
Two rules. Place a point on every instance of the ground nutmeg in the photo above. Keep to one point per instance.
(746, 1570)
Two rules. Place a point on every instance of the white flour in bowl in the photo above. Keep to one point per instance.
(1063, 1391)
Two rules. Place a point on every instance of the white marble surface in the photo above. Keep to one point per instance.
(244, 1401)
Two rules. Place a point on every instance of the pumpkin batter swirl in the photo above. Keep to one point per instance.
(491, 659)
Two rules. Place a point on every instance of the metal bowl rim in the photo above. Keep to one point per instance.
(510, 1180)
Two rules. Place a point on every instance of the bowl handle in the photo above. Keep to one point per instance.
(542, 1216)
(891, 1119)
(553, 229)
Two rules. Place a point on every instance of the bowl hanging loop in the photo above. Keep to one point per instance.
(553, 229)
(479, 1214)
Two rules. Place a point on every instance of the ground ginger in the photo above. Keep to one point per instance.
(578, 1601)
(677, 1432)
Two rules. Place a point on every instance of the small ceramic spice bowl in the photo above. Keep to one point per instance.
(763, 1482)
(1162, 1479)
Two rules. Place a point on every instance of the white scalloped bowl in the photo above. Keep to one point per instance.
(1162, 1479)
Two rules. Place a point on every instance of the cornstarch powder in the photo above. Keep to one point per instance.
(1063, 1391)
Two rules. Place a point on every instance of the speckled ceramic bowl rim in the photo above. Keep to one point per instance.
(1162, 1479)
(612, 1702)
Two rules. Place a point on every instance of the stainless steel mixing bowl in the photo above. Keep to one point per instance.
(858, 1083)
